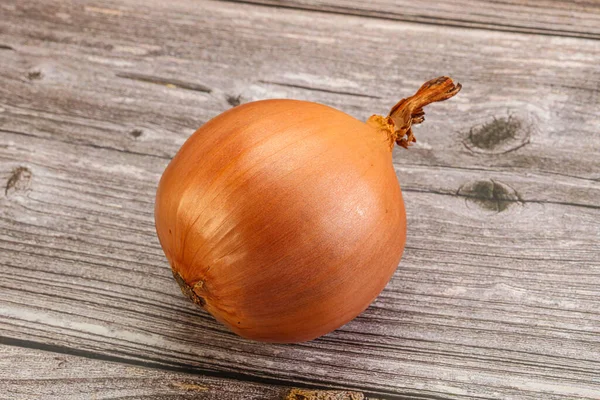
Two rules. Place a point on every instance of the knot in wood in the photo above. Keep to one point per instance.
(489, 195)
(499, 136)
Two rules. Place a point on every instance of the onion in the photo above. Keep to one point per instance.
(284, 219)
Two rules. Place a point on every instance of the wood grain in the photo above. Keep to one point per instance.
(549, 84)
(497, 294)
(546, 17)
(33, 374)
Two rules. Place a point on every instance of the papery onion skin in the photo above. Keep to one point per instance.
(284, 219)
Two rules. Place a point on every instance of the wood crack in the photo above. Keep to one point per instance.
(495, 169)
(169, 82)
(90, 145)
(296, 86)
(520, 200)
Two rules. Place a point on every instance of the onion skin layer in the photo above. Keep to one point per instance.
(284, 219)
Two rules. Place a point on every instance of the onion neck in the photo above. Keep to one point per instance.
(409, 111)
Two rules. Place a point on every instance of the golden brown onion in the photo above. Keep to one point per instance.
(284, 219)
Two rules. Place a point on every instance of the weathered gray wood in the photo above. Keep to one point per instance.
(549, 84)
(547, 17)
(481, 297)
(497, 294)
(28, 373)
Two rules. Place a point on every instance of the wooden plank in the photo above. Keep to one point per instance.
(497, 294)
(546, 17)
(549, 85)
(481, 299)
(29, 373)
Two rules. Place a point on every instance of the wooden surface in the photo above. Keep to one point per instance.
(33, 373)
(497, 295)
(546, 17)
